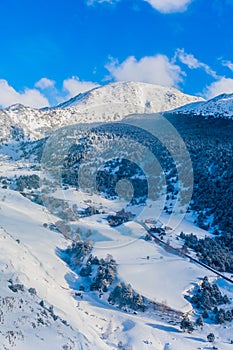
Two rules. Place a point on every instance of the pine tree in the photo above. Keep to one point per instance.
(199, 321)
(205, 314)
(187, 325)
(211, 337)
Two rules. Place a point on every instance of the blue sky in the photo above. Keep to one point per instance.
(52, 50)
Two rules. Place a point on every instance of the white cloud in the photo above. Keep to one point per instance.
(92, 2)
(149, 69)
(44, 83)
(163, 6)
(221, 86)
(228, 64)
(50, 96)
(193, 63)
(169, 6)
(29, 97)
(75, 86)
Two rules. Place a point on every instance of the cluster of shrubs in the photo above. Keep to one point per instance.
(106, 268)
(5, 182)
(49, 310)
(105, 276)
(215, 252)
(208, 298)
(222, 315)
(58, 207)
(16, 287)
(105, 272)
(27, 182)
(21, 183)
(124, 296)
(187, 325)
(76, 253)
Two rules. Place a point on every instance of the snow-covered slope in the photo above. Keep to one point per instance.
(220, 106)
(148, 98)
(111, 102)
(28, 258)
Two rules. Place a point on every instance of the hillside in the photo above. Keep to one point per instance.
(218, 107)
(40, 299)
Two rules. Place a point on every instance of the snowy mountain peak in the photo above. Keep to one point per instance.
(219, 106)
(222, 97)
(154, 98)
(106, 103)
(18, 108)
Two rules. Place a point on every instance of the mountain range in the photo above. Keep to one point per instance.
(107, 103)
(102, 104)
(70, 279)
